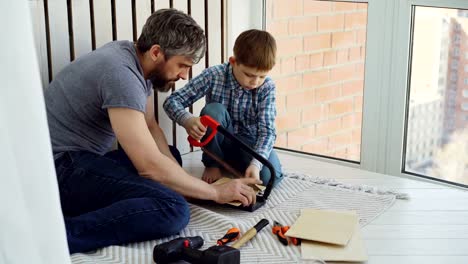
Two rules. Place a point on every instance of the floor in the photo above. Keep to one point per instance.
(430, 228)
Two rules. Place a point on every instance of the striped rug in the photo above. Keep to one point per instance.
(295, 192)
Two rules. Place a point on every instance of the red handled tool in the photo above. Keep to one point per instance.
(208, 121)
(231, 235)
(280, 231)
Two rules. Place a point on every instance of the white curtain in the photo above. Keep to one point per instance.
(31, 225)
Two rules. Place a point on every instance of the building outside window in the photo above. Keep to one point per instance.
(444, 144)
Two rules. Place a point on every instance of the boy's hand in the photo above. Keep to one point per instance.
(252, 172)
(195, 128)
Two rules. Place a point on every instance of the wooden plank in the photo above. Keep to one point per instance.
(40, 40)
(214, 33)
(164, 121)
(418, 259)
(181, 135)
(102, 22)
(198, 13)
(123, 12)
(394, 231)
(81, 27)
(448, 194)
(160, 4)
(417, 247)
(441, 217)
(143, 11)
(389, 183)
(308, 164)
(180, 5)
(59, 38)
(431, 203)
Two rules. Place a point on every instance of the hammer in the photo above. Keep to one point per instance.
(186, 248)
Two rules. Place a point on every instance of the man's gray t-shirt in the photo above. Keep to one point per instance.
(78, 97)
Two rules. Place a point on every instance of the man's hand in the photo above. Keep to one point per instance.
(195, 128)
(252, 172)
(237, 190)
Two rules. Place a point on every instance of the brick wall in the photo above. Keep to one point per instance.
(319, 75)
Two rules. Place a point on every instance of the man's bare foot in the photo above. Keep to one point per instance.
(212, 174)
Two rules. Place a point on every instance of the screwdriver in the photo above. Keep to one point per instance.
(231, 235)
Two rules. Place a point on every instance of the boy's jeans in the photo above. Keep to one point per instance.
(232, 153)
(106, 202)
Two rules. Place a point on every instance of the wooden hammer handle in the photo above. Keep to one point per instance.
(246, 237)
(250, 233)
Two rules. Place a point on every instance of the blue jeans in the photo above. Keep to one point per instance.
(232, 153)
(106, 202)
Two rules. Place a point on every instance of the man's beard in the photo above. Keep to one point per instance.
(160, 83)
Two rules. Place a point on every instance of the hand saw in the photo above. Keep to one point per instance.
(208, 121)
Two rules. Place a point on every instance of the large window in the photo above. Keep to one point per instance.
(382, 84)
(437, 131)
(319, 75)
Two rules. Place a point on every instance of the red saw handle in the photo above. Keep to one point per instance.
(207, 121)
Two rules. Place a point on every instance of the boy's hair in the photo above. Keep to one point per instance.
(256, 48)
(175, 32)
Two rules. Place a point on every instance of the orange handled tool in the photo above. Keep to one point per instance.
(277, 229)
(295, 241)
(231, 235)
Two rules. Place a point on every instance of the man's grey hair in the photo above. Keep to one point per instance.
(175, 32)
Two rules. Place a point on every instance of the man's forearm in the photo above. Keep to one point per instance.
(175, 177)
(161, 141)
(131, 129)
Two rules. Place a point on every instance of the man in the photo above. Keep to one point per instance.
(116, 197)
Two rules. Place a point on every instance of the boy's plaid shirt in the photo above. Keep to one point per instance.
(252, 112)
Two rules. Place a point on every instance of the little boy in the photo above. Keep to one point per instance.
(241, 97)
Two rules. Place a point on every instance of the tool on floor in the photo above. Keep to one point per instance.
(279, 230)
(215, 128)
(251, 233)
(231, 235)
(186, 248)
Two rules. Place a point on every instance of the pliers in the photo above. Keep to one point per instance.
(279, 230)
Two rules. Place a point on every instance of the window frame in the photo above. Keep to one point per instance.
(401, 68)
(386, 83)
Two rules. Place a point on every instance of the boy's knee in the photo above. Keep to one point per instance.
(265, 176)
(279, 178)
(215, 110)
